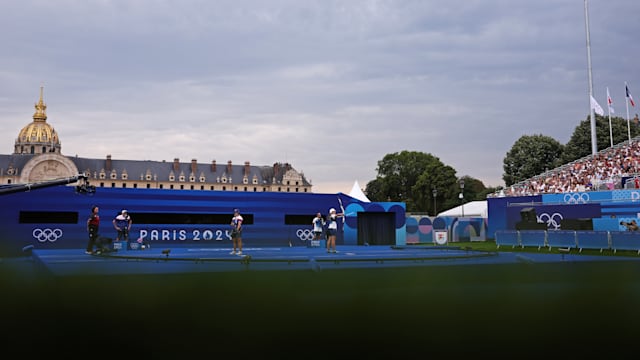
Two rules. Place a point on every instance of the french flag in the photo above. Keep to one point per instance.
(629, 96)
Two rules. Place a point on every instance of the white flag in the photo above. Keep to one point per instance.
(610, 102)
(596, 107)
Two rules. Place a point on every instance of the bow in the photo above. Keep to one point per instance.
(343, 212)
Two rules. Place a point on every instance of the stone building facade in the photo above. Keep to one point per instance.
(37, 156)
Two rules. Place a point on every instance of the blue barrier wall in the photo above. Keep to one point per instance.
(605, 208)
(420, 228)
(55, 218)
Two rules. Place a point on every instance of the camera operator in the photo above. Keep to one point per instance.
(631, 225)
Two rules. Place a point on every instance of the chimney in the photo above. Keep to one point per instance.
(213, 166)
(229, 167)
(194, 166)
(108, 166)
(247, 168)
(176, 164)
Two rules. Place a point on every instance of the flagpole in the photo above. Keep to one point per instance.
(609, 111)
(610, 107)
(627, 103)
(594, 140)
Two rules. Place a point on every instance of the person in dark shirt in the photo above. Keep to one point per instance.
(93, 226)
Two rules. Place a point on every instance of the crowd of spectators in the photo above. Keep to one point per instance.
(604, 170)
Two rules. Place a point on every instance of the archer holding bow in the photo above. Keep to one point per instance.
(332, 229)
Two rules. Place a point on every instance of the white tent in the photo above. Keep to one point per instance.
(470, 209)
(357, 193)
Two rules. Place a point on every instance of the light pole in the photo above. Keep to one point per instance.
(461, 196)
(435, 193)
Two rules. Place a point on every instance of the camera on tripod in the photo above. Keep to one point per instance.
(630, 225)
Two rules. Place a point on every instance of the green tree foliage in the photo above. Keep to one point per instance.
(397, 174)
(579, 145)
(473, 190)
(531, 155)
(436, 176)
(411, 177)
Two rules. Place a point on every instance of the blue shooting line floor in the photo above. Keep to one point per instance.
(160, 260)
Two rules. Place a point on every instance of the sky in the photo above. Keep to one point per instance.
(329, 86)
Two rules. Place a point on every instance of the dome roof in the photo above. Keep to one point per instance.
(38, 132)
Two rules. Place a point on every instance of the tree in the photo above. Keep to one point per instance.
(579, 145)
(437, 176)
(473, 190)
(411, 177)
(529, 156)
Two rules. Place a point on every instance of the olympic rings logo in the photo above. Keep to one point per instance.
(576, 198)
(552, 220)
(44, 235)
(304, 234)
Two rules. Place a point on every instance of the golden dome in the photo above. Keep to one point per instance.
(38, 136)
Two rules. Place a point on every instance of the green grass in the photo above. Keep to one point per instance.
(513, 310)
